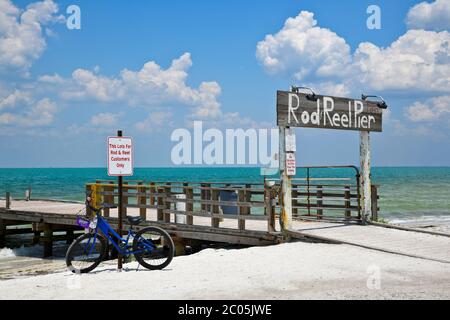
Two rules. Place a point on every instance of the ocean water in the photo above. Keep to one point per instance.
(406, 193)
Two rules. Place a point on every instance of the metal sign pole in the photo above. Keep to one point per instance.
(120, 212)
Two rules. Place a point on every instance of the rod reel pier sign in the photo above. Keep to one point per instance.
(319, 111)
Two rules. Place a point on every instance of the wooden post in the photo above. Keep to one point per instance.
(108, 199)
(214, 208)
(270, 210)
(142, 200)
(167, 195)
(8, 200)
(374, 194)
(241, 209)
(48, 240)
(69, 236)
(319, 191)
(160, 202)
(286, 184)
(364, 159)
(202, 197)
(348, 212)
(208, 196)
(2, 233)
(125, 199)
(189, 205)
(152, 191)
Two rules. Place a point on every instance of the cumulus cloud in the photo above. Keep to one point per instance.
(418, 60)
(105, 119)
(303, 49)
(155, 121)
(433, 109)
(430, 16)
(21, 37)
(36, 114)
(151, 85)
(17, 97)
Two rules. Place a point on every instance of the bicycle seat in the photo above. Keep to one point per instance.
(134, 220)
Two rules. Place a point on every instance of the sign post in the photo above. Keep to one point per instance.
(295, 109)
(120, 163)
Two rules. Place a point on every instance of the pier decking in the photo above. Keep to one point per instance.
(415, 244)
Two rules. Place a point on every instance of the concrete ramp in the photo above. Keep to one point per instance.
(408, 243)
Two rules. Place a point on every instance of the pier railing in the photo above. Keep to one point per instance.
(252, 206)
(193, 203)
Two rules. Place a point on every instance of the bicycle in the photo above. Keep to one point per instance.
(152, 247)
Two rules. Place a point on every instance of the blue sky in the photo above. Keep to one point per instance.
(56, 120)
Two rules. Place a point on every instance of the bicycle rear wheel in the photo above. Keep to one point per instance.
(85, 253)
(156, 248)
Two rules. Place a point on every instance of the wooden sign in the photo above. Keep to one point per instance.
(318, 111)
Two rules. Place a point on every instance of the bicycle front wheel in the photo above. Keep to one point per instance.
(86, 252)
(154, 248)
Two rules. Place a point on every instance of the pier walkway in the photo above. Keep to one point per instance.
(62, 216)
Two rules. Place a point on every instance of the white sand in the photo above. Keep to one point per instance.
(287, 271)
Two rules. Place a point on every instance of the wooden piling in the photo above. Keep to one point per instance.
(2, 233)
(48, 240)
(8, 200)
(69, 236)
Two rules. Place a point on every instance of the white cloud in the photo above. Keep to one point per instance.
(433, 109)
(155, 121)
(105, 119)
(150, 86)
(11, 100)
(430, 16)
(302, 48)
(21, 37)
(37, 114)
(418, 60)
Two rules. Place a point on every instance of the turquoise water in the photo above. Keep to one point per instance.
(405, 192)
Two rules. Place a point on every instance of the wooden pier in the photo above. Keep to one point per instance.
(325, 209)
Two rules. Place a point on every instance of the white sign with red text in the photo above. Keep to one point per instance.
(290, 164)
(120, 156)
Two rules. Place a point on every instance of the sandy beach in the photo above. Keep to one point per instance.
(288, 271)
